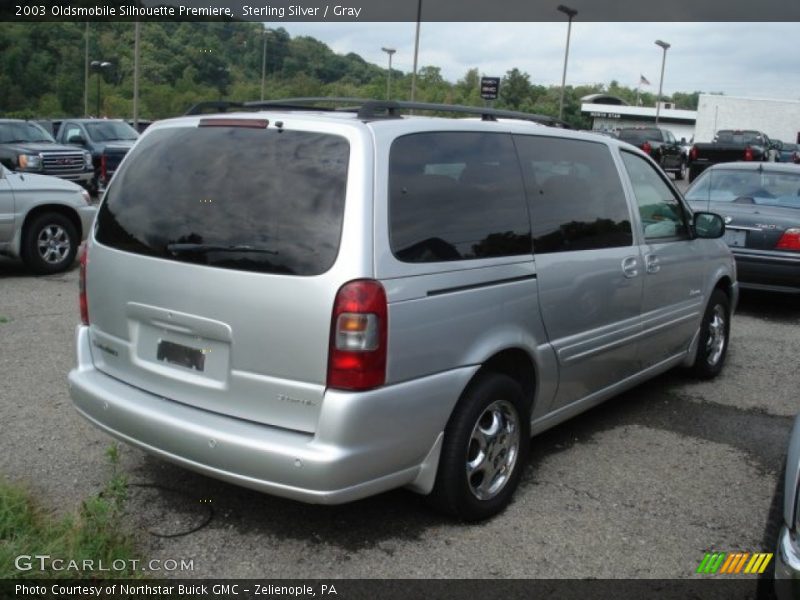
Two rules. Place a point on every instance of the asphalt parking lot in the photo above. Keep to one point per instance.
(639, 487)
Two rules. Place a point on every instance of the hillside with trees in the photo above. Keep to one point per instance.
(42, 72)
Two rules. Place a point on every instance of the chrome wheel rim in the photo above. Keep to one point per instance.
(53, 244)
(493, 449)
(715, 344)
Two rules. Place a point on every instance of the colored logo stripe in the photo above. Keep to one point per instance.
(734, 563)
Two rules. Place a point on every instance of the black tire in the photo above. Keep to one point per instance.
(490, 395)
(680, 174)
(711, 349)
(49, 244)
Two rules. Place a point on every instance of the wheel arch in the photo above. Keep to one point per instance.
(42, 209)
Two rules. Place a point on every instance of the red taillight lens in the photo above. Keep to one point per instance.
(103, 169)
(748, 153)
(790, 240)
(693, 153)
(646, 147)
(84, 305)
(357, 352)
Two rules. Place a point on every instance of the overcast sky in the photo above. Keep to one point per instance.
(739, 59)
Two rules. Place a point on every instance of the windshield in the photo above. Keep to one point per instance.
(741, 186)
(23, 131)
(231, 197)
(107, 131)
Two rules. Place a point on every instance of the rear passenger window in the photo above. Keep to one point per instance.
(661, 214)
(575, 195)
(456, 196)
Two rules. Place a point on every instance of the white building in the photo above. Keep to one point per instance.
(779, 119)
(610, 113)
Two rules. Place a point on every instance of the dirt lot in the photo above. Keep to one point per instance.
(669, 470)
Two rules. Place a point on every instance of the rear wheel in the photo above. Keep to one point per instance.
(714, 334)
(49, 244)
(484, 451)
(693, 173)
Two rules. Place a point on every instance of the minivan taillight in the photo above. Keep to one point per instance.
(693, 153)
(748, 153)
(790, 240)
(84, 305)
(357, 352)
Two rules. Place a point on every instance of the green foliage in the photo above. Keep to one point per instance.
(42, 72)
(93, 534)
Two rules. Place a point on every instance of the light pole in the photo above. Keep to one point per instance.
(136, 40)
(416, 53)
(665, 46)
(86, 74)
(571, 14)
(389, 51)
(263, 61)
(97, 67)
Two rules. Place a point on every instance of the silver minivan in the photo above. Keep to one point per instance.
(325, 305)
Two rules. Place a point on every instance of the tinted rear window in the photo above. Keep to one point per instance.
(639, 136)
(231, 197)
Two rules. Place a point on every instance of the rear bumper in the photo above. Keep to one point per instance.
(365, 443)
(787, 566)
(767, 271)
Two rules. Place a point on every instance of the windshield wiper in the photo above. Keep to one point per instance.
(179, 248)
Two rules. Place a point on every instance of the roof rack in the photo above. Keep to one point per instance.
(370, 110)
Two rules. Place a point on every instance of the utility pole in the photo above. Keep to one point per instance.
(136, 36)
(86, 73)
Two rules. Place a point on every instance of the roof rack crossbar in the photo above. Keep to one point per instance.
(377, 109)
(369, 110)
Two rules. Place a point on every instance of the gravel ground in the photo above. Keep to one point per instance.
(658, 475)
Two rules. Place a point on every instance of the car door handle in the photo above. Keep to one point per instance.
(630, 267)
(651, 261)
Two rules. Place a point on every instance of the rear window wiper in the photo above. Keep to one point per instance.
(178, 248)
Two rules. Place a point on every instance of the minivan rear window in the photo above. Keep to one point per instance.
(241, 198)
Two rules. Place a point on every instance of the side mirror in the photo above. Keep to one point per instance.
(708, 225)
(78, 140)
(683, 141)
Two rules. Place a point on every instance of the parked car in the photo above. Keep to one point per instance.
(661, 145)
(42, 220)
(787, 554)
(761, 206)
(334, 305)
(788, 153)
(26, 147)
(730, 145)
(108, 140)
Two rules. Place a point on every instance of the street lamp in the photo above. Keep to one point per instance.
(263, 61)
(416, 53)
(389, 51)
(97, 66)
(571, 13)
(665, 46)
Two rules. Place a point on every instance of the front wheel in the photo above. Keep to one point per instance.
(714, 335)
(49, 244)
(484, 451)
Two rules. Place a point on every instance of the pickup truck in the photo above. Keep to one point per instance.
(731, 145)
(42, 220)
(108, 141)
(661, 145)
(26, 147)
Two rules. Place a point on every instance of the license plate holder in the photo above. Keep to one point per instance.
(183, 356)
(735, 238)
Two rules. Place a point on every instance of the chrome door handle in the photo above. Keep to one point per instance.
(653, 266)
(630, 267)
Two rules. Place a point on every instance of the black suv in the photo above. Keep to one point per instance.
(661, 145)
(27, 147)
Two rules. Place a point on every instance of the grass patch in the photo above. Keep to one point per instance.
(94, 533)
(4, 319)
